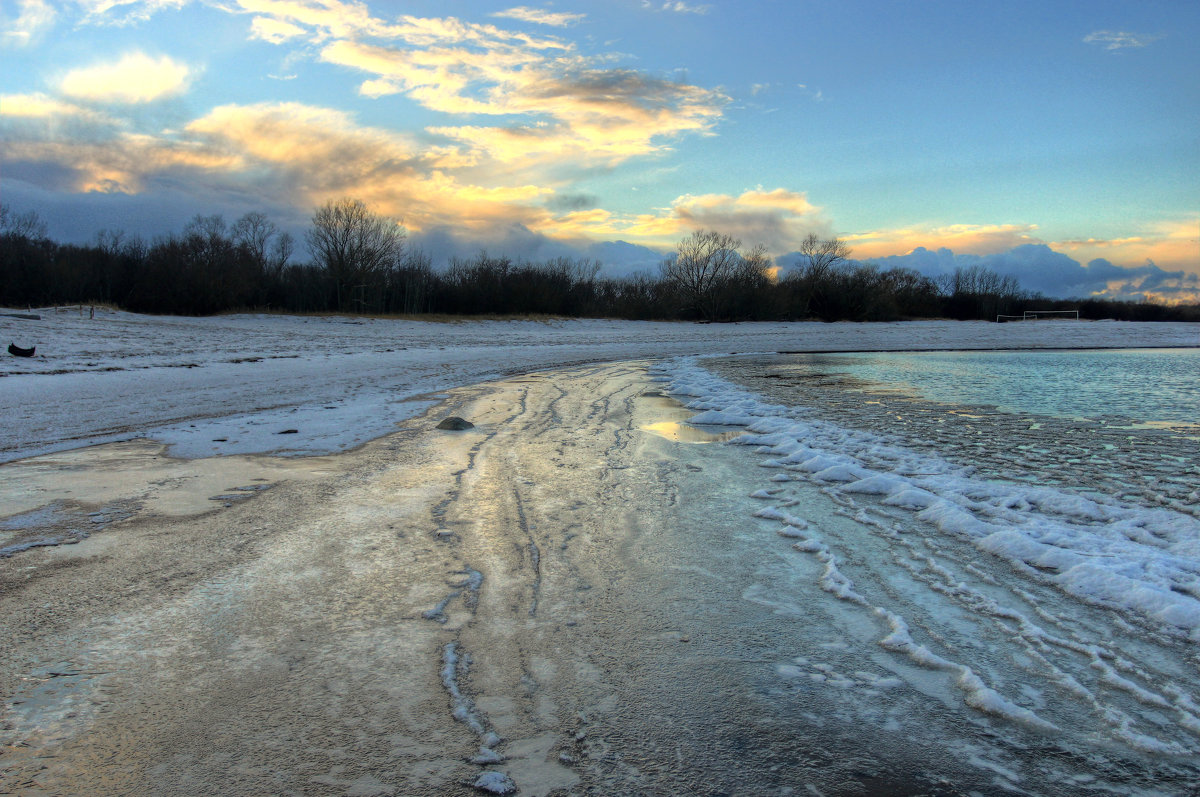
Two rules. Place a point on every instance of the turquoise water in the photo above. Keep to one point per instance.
(1146, 386)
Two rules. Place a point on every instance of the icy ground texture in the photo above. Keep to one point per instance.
(242, 384)
(1068, 614)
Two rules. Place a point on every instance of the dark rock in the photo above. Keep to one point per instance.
(455, 424)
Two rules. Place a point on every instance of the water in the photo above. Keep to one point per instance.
(1022, 563)
(1145, 386)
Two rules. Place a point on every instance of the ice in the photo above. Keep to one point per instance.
(463, 708)
(1018, 595)
(495, 783)
(1065, 611)
(487, 756)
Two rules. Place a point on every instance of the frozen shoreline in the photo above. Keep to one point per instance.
(240, 384)
(537, 597)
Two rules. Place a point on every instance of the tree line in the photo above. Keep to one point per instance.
(362, 263)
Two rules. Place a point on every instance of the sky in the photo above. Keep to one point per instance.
(1056, 141)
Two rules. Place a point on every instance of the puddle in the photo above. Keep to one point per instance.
(60, 498)
(686, 433)
(677, 429)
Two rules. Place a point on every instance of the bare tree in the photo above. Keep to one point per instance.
(210, 228)
(253, 231)
(821, 256)
(813, 277)
(357, 246)
(755, 266)
(22, 225)
(110, 242)
(980, 281)
(702, 265)
(281, 251)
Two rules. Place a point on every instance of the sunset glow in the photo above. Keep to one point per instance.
(553, 129)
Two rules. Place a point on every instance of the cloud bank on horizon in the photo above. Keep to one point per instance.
(611, 130)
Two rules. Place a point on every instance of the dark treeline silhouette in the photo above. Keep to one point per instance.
(362, 263)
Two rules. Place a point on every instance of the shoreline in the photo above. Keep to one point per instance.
(229, 384)
(536, 597)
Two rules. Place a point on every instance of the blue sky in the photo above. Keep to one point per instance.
(1049, 138)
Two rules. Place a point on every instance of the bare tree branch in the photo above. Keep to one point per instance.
(356, 245)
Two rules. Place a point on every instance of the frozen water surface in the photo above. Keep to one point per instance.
(1021, 591)
(840, 593)
(1144, 387)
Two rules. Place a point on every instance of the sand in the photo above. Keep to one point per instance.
(532, 592)
(571, 596)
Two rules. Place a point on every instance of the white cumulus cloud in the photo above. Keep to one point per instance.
(135, 78)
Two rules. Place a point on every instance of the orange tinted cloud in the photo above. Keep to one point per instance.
(42, 106)
(778, 219)
(120, 165)
(980, 239)
(560, 109)
(1173, 245)
(569, 112)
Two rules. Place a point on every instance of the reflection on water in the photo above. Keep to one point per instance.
(686, 433)
(1152, 387)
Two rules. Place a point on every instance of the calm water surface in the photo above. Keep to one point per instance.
(1147, 386)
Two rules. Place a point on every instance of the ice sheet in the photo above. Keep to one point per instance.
(1059, 610)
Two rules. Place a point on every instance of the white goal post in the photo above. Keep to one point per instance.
(1034, 315)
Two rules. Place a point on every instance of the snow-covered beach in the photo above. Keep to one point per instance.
(229, 384)
(570, 598)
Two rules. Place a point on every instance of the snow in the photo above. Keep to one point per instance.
(234, 384)
(495, 783)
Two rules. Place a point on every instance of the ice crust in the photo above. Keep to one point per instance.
(1142, 560)
(1138, 562)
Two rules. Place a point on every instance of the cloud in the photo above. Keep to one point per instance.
(1174, 243)
(558, 110)
(778, 219)
(325, 20)
(124, 163)
(136, 78)
(816, 94)
(318, 153)
(677, 6)
(572, 202)
(1119, 39)
(555, 19)
(571, 112)
(617, 258)
(275, 31)
(1169, 251)
(34, 17)
(978, 238)
(42, 106)
(125, 12)
(1039, 268)
(305, 153)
